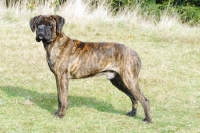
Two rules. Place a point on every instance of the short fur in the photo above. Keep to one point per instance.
(73, 59)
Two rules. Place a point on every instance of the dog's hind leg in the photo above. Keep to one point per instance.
(133, 87)
(117, 82)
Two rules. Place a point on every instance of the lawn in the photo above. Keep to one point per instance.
(169, 78)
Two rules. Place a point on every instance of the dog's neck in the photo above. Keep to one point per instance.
(56, 45)
(61, 38)
(54, 49)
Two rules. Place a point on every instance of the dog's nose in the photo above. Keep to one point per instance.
(40, 29)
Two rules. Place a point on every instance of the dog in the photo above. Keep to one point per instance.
(72, 59)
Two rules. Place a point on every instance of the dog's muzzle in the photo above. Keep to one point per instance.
(40, 33)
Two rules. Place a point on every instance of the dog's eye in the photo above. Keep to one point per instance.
(50, 24)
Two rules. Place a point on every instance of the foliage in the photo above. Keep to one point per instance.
(188, 9)
(190, 14)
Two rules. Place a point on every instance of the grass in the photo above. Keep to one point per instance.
(169, 76)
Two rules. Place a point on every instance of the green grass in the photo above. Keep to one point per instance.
(169, 78)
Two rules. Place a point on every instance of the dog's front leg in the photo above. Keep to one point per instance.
(62, 92)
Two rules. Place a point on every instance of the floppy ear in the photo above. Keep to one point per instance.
(32, 22)
(60, 21)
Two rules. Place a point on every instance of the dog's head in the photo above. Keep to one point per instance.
(47, 27)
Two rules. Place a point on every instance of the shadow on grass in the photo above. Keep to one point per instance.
(48, 101)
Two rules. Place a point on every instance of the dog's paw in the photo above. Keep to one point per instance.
(58, 115)
(146, 120)
(131, 113)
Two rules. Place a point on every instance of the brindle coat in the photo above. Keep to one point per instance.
(73, 59)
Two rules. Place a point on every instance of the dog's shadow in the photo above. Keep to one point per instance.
(48, 101)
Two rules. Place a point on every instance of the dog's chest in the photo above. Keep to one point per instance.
(53, 57)
(51, 63)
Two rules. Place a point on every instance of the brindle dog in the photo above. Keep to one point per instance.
(73, 59)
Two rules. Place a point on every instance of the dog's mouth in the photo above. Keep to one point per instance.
(41, 36)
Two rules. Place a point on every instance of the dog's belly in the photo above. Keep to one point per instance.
(92, 68)
(109, 75)
(83, 72)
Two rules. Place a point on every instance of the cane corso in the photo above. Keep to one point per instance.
(72, 59)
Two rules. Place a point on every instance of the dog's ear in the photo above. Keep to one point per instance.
(60, 21)
(32, 22)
